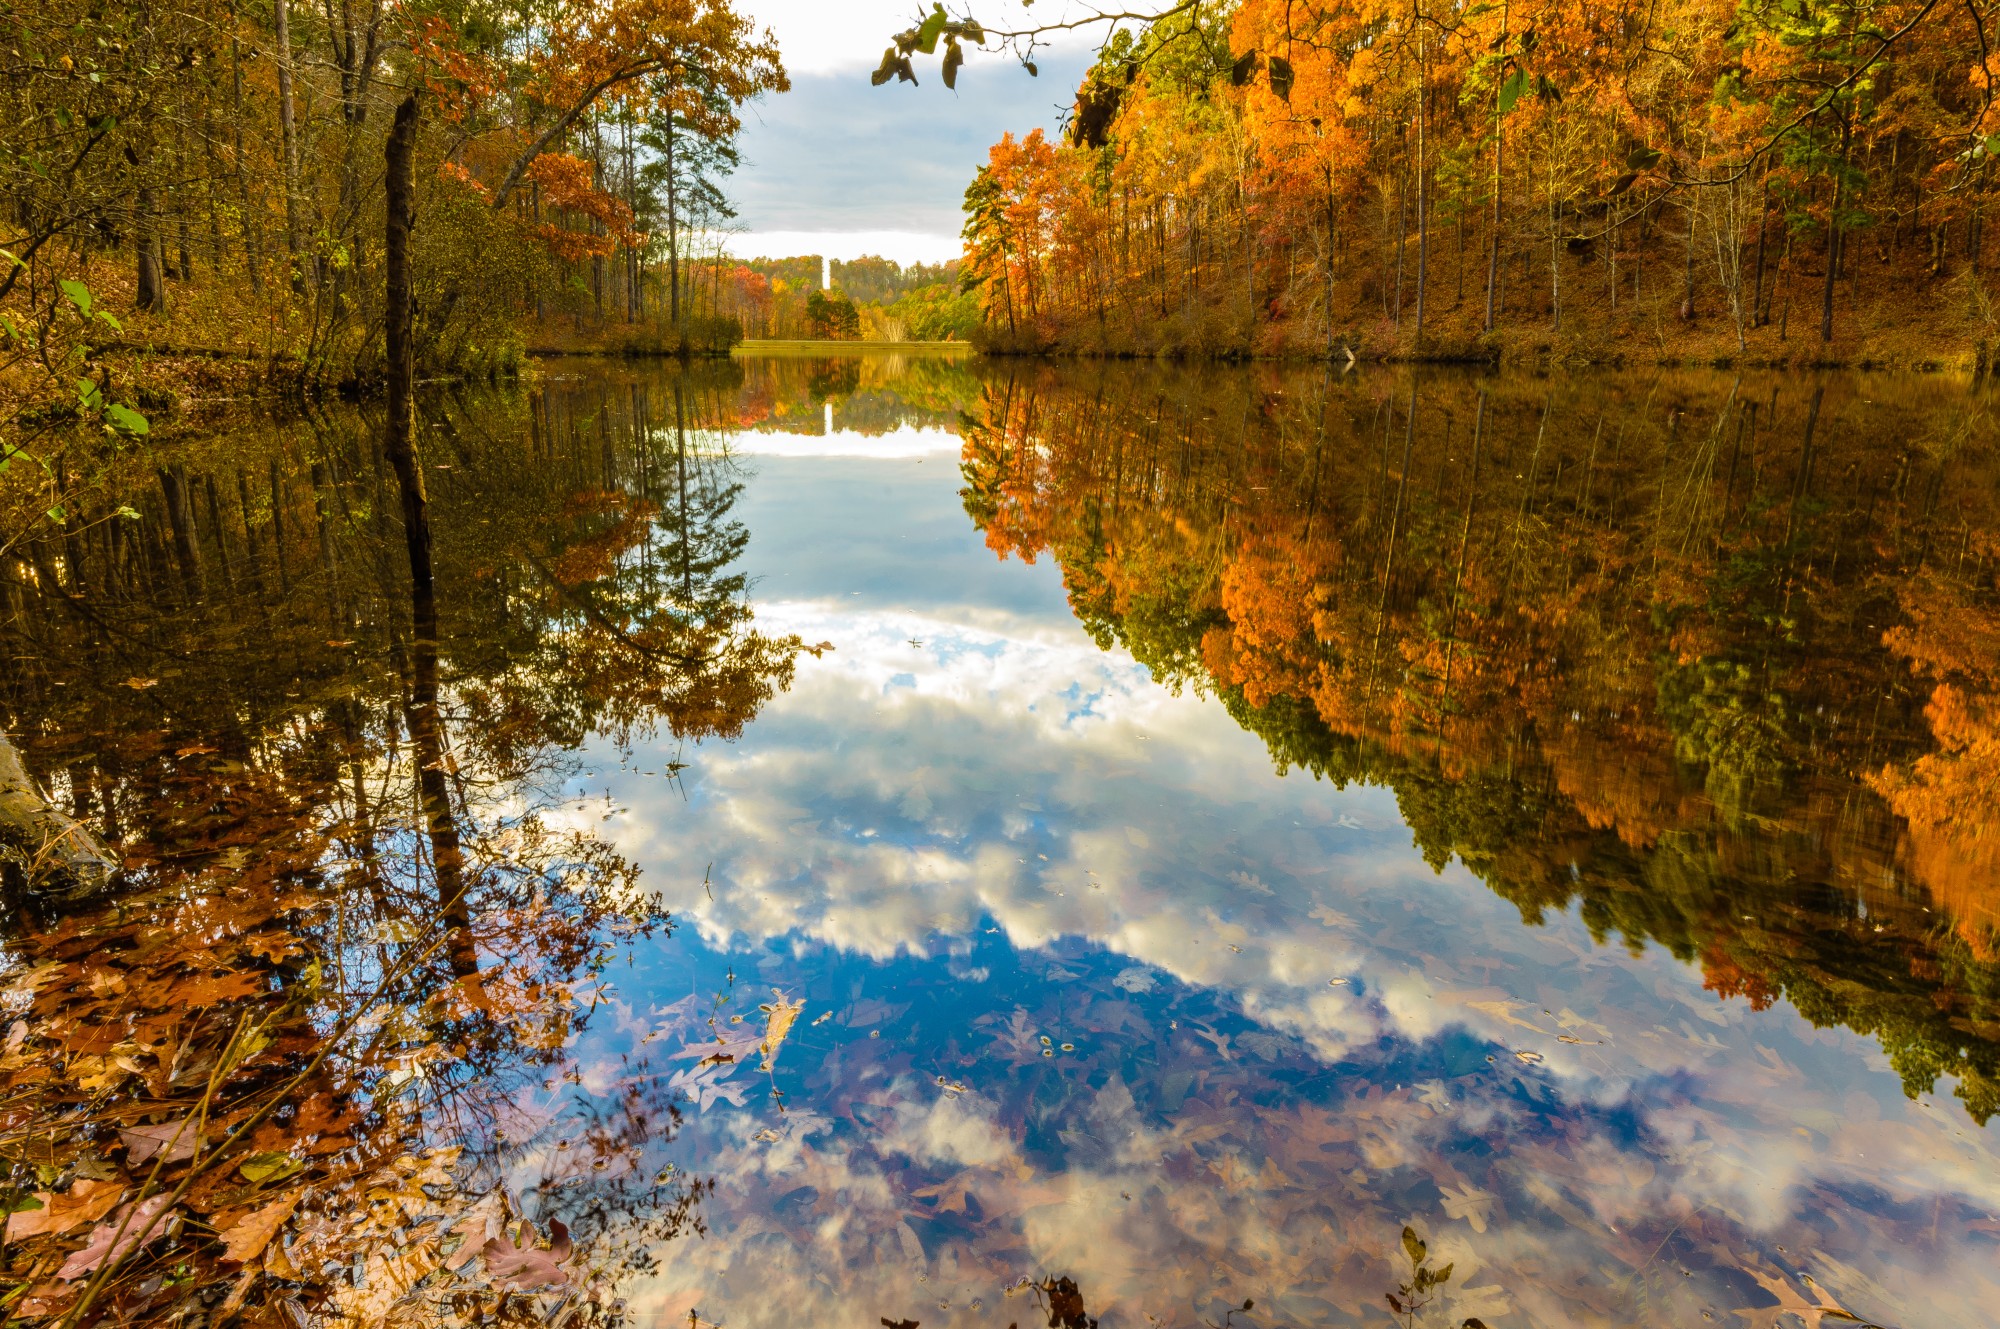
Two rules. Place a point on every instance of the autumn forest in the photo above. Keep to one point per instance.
(693, 662)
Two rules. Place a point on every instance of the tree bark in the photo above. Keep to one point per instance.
(41, 849)
(399, 443)
(1499, 142)
(151, 290)
(1833, 233)
(288, 128)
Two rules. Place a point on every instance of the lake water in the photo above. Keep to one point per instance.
(1225, 817)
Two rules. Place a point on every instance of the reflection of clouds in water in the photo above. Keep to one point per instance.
(904, 792)
(983, 792)
(1296, 1206)
(1147, 824)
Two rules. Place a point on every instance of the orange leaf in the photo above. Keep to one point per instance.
(246, 1239)
(86, 1202)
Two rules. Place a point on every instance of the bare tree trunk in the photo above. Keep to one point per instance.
(253, 240)
(1423, 191)
(1833, 233)
(288, 129)
(673, 231)
(399, 443)
(1499, 180)
(151, 292)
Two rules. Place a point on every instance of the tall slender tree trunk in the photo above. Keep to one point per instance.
(399, 443)
(673, 229)
(1759, 314)
(150, 292)
(289, 136)
(1499, 181)
(1330, 239)
(253, 238)
(1833, 231)
(1423, 190)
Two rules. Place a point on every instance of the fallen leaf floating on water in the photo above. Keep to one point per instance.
(141, 684)
(86, 1202)
(245, 1239)
(525, 1268)
(269, 1167)
(780, 1014)
(177, 1140)
(131, 1228)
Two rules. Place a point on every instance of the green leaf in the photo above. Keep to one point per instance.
(129, 514)
(127, 419)
(87, 395)
(79, 295)
(270, 1167)
(1413, 1246)
(9, 255)
(1992, 150)
(18, 1202)
(1545, 88)
(1643, 159)
(106, 316)
(1241, 71)
(1511, 90)
(932, 29)
(1624, 182)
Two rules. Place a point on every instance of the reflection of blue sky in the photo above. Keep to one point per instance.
(966, 828)
(861, 530)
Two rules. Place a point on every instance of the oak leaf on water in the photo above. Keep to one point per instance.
(245, 1239)
(525, 1268)
(114, 1239)
(86, 1202)
(780, 1015)
(177, 1140)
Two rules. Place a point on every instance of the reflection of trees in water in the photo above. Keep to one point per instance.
(872, 393)
(1617, 644)
(350, 953)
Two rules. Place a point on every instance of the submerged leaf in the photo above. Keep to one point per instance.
(112, 1241)
(520, 1268)
(45, 1211)
(245, 1239)
(175, 1140)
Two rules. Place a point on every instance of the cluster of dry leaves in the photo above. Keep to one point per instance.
(197, 1126)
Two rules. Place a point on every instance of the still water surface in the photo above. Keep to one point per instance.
(1224, 818)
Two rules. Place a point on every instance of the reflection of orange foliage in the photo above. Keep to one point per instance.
(1951, 796)
(567, 184)
(596, 556)
(1628, 788)
(1271, 648)
(1725, 978)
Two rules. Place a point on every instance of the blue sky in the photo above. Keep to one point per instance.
(839, 167)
